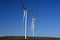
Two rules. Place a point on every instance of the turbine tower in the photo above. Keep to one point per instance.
(25, 20)
(33, 24)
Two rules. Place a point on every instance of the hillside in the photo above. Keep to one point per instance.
(29, 38)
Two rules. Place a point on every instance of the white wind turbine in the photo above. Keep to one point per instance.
(25, 19)
(33, 24)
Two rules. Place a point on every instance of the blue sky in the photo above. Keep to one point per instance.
(46, 12)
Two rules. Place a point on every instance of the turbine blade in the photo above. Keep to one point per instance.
(23, 17)
(32, 26)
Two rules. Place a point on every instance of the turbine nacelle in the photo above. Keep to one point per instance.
(33, 18)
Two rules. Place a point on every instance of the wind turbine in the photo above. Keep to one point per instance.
(33, 24)
(25, 19)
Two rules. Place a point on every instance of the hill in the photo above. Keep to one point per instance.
(28, 38)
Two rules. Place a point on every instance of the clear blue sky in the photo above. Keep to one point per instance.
(46, 12)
